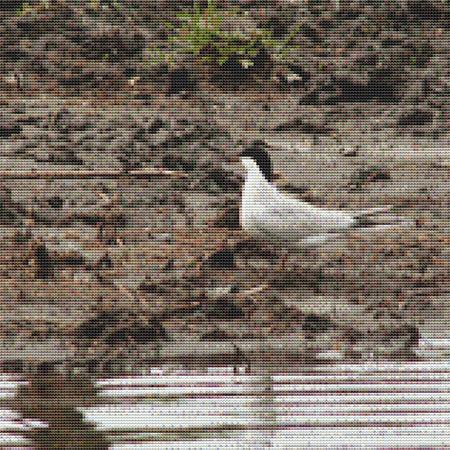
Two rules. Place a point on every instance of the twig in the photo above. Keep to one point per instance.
(435, 290)
(106, 173)
(253, 291)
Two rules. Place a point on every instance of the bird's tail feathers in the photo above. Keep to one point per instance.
(366, 219)
(372, 211)
(399, 222)
(320, 239)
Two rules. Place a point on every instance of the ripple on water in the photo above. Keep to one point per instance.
(370, 405)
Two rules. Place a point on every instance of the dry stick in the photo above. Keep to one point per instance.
(111, 173)
(435, 290)
(253, 291)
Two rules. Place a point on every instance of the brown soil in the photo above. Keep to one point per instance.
(101, 272)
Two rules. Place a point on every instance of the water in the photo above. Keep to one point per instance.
(338, 405)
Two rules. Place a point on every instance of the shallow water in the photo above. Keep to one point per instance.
(369, 405)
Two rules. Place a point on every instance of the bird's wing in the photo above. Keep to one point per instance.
(286, 218)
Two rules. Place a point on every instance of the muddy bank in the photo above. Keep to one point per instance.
(99, 273)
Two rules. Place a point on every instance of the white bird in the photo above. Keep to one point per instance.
(271, 215)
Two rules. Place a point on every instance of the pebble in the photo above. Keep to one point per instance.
(349, 151)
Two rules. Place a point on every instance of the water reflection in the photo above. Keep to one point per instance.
(180, 409)
(12, 424)
(343, 405)
(55, 401)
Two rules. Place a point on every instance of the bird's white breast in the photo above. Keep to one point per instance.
(256, 193)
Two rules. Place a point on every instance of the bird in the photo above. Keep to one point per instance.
(268, 214)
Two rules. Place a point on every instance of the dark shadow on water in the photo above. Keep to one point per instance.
(54, 400)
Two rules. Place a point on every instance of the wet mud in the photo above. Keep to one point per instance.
(98, 273)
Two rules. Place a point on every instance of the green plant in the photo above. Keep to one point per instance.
(200, 33)
(98, 4)
(27, 7)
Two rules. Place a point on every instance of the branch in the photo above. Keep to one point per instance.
(102, 173)
(253, 291)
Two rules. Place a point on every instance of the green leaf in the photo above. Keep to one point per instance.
(222, 60)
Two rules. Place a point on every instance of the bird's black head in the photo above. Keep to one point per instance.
(258, 153)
